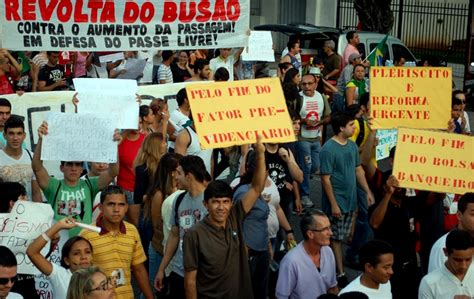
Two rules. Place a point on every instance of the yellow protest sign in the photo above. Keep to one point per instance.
(414, 97)
(434, 161)
(233, 113)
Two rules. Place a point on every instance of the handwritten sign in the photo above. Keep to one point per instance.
(117, 25)
(260, 47)
(21, 227)
(109, 96)
(434, 161)
(233, 113)
(414, 97)
(79, 137)
(387, 139)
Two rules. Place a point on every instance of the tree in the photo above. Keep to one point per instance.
(375, 15)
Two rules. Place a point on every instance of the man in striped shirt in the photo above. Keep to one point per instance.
(165, 75)
(117, 248)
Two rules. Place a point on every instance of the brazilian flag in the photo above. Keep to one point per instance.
(376, 56)
(24, 62)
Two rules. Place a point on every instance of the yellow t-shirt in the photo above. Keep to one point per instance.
(116, 253)
(364, 139)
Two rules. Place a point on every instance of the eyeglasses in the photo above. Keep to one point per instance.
(78, 164)
(324, 229)
(8, 279)
(104, 286)
(307, 83)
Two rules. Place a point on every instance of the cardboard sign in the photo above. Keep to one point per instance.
(413, 97)
(234, 113)
(118, 25)
(434, 161)
(21, 227)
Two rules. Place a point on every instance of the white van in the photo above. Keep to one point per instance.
(312, 39)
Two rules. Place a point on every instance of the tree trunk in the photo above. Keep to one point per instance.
(375, 15)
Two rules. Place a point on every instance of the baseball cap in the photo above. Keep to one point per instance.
(315, 71)
(354, 56)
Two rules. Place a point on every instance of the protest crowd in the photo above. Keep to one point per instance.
(176, 220)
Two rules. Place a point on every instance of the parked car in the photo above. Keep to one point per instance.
(312, 38)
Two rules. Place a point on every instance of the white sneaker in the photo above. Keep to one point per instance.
(306, 201)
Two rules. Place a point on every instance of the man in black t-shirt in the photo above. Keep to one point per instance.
(51, 76)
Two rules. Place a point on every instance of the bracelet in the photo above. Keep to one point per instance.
(45, 236)
(290, 231)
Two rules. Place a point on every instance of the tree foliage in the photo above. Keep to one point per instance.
(375, 15)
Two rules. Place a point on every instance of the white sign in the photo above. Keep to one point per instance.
(21, 227)
(260, 47)
(387, 140)
(79, 137)
(133, 69)
(111, 57)
(109, 97)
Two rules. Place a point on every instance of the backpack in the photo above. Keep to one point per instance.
(179, 199)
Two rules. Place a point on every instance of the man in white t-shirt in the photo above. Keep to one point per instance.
(315, 112)
(8, 268)
(465, 217)
(15, 162)
(455, 279)
(376, 259)
(227, 60)
(179, 118)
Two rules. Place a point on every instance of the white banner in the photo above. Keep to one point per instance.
(80, 137)
(21, 227)
(114, 97)
(116, 25)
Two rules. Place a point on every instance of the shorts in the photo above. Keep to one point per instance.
(341, 227)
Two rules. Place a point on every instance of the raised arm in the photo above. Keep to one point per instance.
(41, 174)
(258, 180)
(295, 171)
(34, 250)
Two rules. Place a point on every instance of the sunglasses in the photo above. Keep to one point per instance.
(5, 280)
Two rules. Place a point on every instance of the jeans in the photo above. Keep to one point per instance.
(338, 104)
(154, 262)
(259, 265)
(308, 161)
(362, 228)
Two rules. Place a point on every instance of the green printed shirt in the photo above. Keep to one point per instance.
(70, 201)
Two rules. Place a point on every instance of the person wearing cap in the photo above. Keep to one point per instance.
(338, 103)
(346, 74)
(315, 111)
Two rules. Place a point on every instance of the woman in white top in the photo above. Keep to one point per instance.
(76, 254)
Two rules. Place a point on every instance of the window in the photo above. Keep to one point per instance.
(402, 51)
